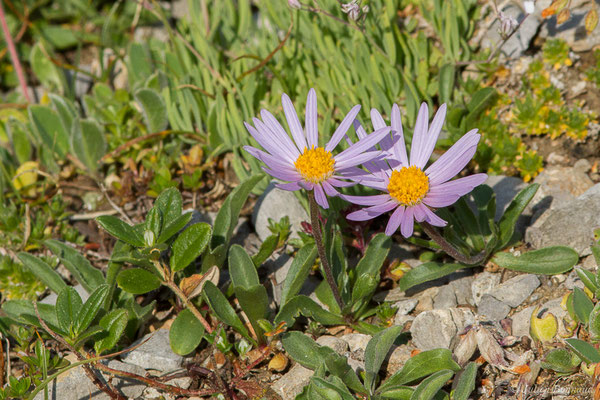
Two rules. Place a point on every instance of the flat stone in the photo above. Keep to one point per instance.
(155, 354)
(516, 290)
(291, 384)
(482, 284)
(275, 204)
(446, 298)
(338, 345)
(518, 44)
(397, 358)
(571, 225)
(405, 306)
(521, 321)
(437, 328)
(492, 308)
(75, 384)
(572, 31)
(356, 341)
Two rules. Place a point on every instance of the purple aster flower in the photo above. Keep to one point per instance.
(410, 189)
(302, 162)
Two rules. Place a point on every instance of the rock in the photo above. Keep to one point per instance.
(446, 298)
(571, 225)
(437, 328)
(505, 188)
(572, 31)
(275, 204)
(155, 354)
(291, 384)
(572, 281)
(405, 306)
(492, 308)
(521, 320)
(514, 291)
(337, 344)
(51, 298)
(147, 33)
(457, 292)
(180, 9)
(482, 284)
(518, 44)
(398, 357)
(357, 342)
(75, 384)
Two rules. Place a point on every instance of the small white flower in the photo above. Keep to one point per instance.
(507, 24)
(294, 4)
(352, 9)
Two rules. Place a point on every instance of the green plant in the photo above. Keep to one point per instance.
(593, 73)
(423, 376)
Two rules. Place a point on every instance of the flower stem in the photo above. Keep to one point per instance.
(448, 248)
(13, 55)
(317, 234)
(188, 303)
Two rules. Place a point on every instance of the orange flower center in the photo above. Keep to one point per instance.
(315, 165)
(408, 186)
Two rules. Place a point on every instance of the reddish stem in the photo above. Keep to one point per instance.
(13, 54)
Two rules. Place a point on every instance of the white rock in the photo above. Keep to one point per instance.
(482, 284)
(437, 328)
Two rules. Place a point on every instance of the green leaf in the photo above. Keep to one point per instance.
(68, 305)
(254, 301)
(88, 143)
(584, 350)
(306, 306)
(50, 129)
(302, 349)
(431, 385)
(189, 245)
(65, 109)
(137, 281)
(588, 279)
(582, 305)
(266, 249)
(375, 255)
(298, 272)
(513, 212)
(375, 353)
(186, 333)
(422, 364)
(43, 272)
(466, 382)
(114, 324)
(482, 100)
(81, 269)
(561, 360)
(152, 224)
(121, 230)
(23, 311)
(90, 309)
(43, 68)
(170, 204)
(427, 272)
(241, 268)
(153, 109)
(594, 324)
(175, 226)
(547, 261)
(219, 304)
(446, 82)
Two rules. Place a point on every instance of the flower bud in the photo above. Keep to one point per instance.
(352, 9)
(507, 24)
(294, 4)
(149, 238)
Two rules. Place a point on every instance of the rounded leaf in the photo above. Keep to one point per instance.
(189, 245)
(186, 333)
(137, 281)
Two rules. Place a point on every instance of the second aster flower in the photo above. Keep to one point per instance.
(410, 189)
(302, 162)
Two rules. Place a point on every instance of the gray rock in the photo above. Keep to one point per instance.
(180, 9)
(514, 291)
(457, 292)
(155, 354)
(147, 33)
(338, 345)
(51, 298)
(291, 384)
(571, 225)
(276, 204)
(572, 31)
(518, 44)
(482, 284)
(397, 358)
(75, 384)
(492, 308)
(437, 328)
(505, 188)
(446, 298)
(356, 341)
(405, 306)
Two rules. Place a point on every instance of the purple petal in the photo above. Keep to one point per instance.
(334, 181)
(311, 119)
(320, 197)
(447, 193)
(419, 212)
(264, 139)
(293, 122)
(432, 136)
(372, 212)
(378, 123)
(276, 127)
(276, 141)
(360, 131)
(362, 145)
(283, 175)
(439, 200)
(356, 159)
(342, 128)
(407, 223)
(288, 186)
(367, 200)
(329, 190)
(273, 162)
(433, 219)
(361, 215)
(399, 145)
(418, 139)
(395, 220)
(454, 160)
(306, 185)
